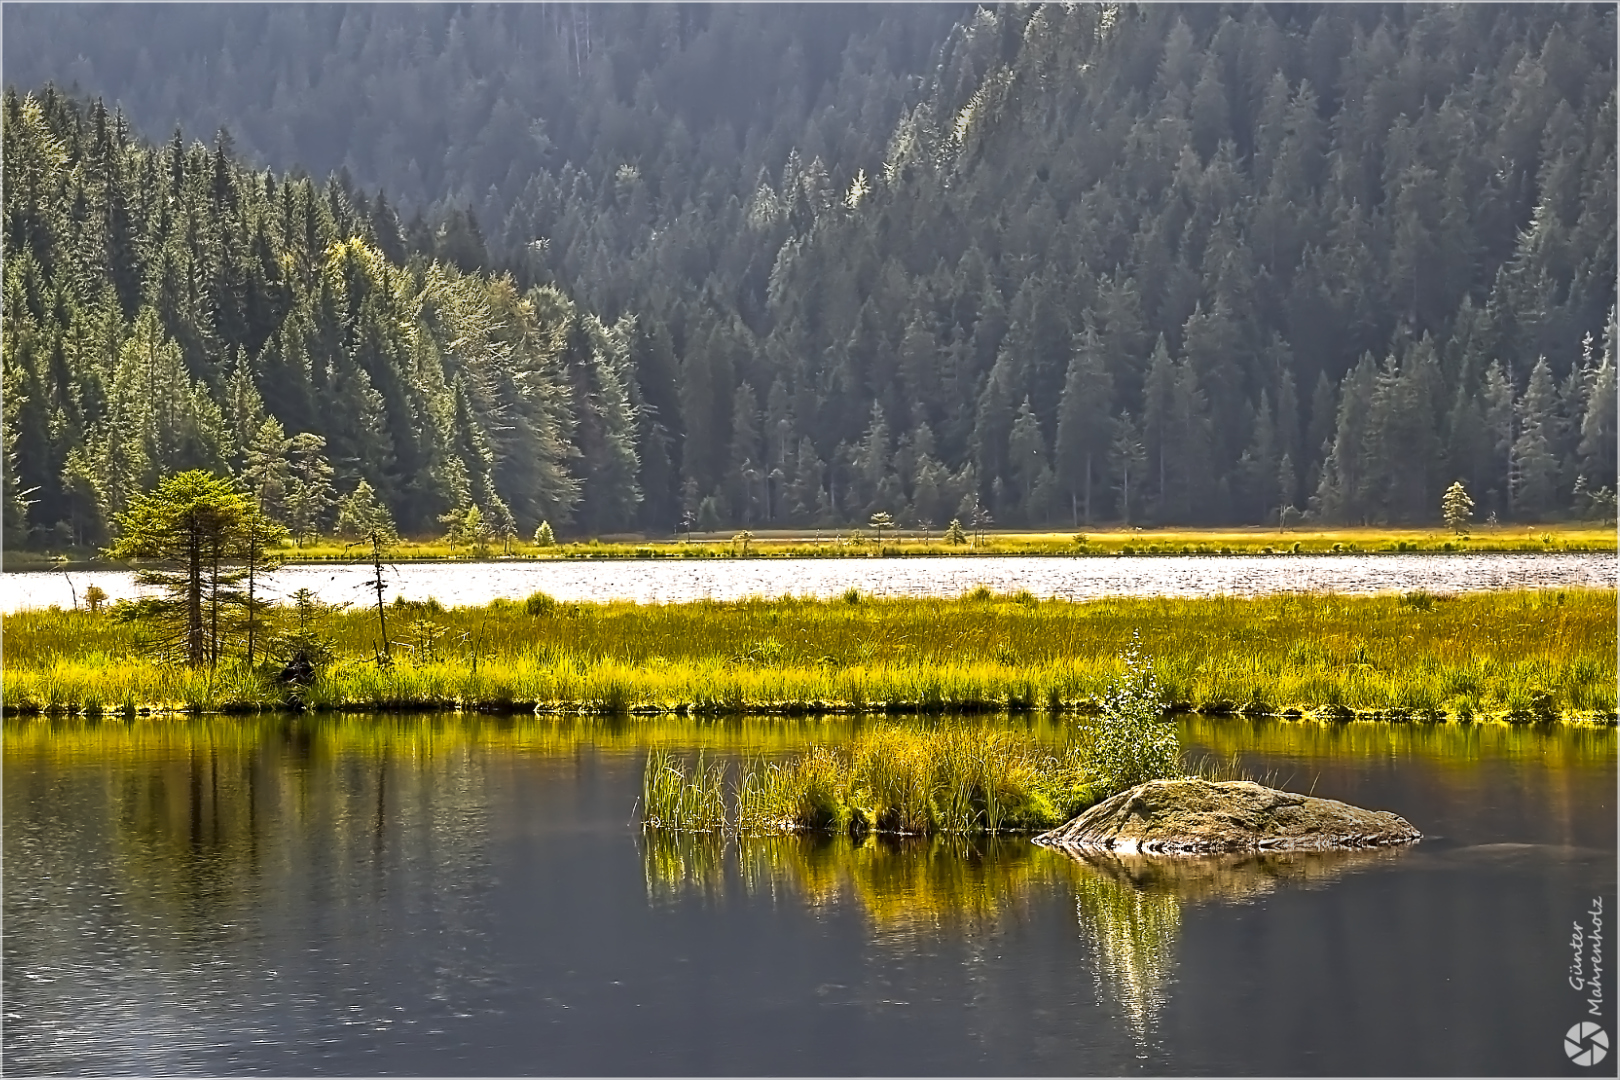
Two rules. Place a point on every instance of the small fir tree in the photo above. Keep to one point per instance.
(360, 514)
(1456, 507)
(198, 524)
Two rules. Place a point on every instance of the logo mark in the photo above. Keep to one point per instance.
(1586, 1043)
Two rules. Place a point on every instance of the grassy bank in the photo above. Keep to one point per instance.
(1506, 655)
(863, 543)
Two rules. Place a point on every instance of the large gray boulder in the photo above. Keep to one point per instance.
(1196, 816)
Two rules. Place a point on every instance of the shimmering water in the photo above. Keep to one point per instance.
(667, 580)
(450, 896)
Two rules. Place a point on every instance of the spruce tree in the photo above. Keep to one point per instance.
(1535, 475)
(1084, 432)
(198, 523)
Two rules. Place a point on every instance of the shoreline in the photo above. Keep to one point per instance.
(1523, 656)
(700, 711)
(858, 544)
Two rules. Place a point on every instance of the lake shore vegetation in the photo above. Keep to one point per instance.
(858, 543)
(1520, 656)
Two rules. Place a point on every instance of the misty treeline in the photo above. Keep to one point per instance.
(794, 266)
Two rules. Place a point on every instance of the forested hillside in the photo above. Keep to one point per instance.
(1067, 263)
(167, 309)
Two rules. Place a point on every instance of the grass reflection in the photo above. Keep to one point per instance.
(1129, 909)
(907, 886)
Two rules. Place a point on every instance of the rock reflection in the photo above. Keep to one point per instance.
(1129, 908)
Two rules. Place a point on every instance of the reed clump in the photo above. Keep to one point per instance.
(955, 780)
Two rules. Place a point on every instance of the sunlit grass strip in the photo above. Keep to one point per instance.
(960, 781)
(1522, 655)
(850, 542)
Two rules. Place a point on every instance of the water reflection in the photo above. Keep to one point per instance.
(454, 894)
(288, 738)
(159, 873)
(908, 887)
(1128, 908)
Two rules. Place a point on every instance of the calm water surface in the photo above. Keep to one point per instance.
(450, 896)
(668, 580)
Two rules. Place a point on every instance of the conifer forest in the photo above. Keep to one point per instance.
(618, 267)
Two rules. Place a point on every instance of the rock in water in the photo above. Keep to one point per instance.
(1195, 816)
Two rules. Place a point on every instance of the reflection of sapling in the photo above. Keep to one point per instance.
(1132, 740)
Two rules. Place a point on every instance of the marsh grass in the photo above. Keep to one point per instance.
(954, 780)
(1523, 656)
(801, 543)
(861, 543)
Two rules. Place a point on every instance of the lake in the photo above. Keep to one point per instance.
(459, 896)
(1078, 578)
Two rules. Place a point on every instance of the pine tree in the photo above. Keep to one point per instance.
(1344, 493)
(1456, 507)
(1127, 462)
(197, 521)
(1535, 475)
(309, 489)
(1598, 433)
(1084, 427)
(360, 514)
(1026, 453)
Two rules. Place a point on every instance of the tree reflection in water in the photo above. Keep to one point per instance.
(1129, 908)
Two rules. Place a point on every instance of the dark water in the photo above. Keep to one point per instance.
(675, 580)
(449, 896)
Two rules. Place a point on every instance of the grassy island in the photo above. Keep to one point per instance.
(1520, 656)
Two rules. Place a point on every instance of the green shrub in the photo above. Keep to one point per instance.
(1132, 739)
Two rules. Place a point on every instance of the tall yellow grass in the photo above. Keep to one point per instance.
(1522, 655)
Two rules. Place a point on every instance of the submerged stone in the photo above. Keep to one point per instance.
(1193, 816)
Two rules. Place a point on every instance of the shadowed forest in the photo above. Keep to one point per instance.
(616, 267)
